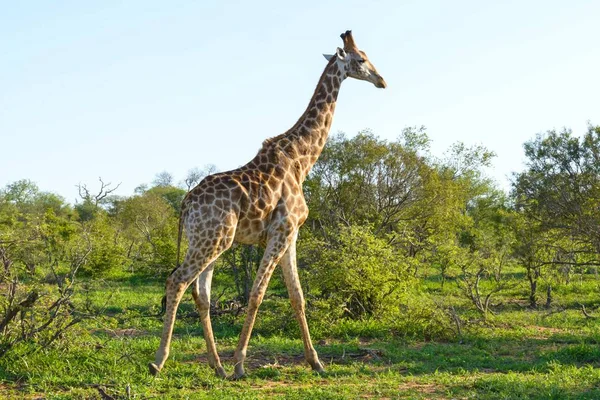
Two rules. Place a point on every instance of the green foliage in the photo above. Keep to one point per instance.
(365, 180)
(400, 249)
(557, 198)
(172, 195)
(41, 250)
(561, 186)
(107, 255)
(358, 275)
(148, 225)
(528, 355)
(86, 210)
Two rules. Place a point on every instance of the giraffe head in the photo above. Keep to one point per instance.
(355, 63)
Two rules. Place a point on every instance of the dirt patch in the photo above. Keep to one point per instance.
(273, 386)
(364, 341)
(258, 359)
(417, 345)
(261, 359)
(543, 332)
(428, 388)
(119, 333)
(422, 388)
(15, 392)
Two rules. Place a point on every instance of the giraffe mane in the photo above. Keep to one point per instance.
(267, 143)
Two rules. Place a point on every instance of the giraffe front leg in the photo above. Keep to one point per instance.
(292, 281)
(201, 295)
(275, 248)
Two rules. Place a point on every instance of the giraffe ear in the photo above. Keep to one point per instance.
(339, 53)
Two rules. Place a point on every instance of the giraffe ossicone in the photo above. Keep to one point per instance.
(259, 203)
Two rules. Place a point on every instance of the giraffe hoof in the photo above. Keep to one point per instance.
(235, 377)
(318, 368)
(220, 372)
(154, 370)
(237, 374)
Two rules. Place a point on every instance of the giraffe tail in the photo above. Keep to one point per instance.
(163, 302)
(179, 235)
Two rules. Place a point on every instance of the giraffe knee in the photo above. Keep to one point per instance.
(171, 281)
(203, 304)
(202, 300)
(297, 301)
(256, 296)
(175, 288)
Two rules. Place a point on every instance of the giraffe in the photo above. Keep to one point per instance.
(259, 203)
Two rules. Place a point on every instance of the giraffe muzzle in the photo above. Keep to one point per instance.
(380, 83)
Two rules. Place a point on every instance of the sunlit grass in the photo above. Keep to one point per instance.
(519, 354)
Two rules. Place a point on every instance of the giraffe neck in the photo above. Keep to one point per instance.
(306, 139)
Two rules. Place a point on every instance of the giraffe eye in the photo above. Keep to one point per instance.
(362, 60)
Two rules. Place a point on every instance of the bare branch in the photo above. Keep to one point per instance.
(585, 313)
(105, 190)
(103, 394)
(12, 312)
(84, 192)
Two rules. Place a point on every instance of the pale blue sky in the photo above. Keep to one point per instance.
(126, 89)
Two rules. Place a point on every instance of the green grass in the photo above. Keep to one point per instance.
(519, 354)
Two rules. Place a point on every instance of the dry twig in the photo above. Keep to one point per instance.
(103, 394)
(585, 313)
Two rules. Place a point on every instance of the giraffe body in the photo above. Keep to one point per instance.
(259, 203)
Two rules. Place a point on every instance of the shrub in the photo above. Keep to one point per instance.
(359, 275)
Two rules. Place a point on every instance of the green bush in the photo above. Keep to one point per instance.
(107, 253)
(359, 275)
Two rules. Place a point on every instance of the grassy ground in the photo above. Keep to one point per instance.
(524, 354)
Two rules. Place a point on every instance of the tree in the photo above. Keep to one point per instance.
(148, 225)
(195, 175)
(485, 252)
(241, 261)
(560, 191)
(365, 180)
(37, 232)
(91, 202)
(532, 250)
(163, 179)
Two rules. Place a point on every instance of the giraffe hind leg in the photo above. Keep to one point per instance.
(201, 295)
(175, 287)
(197, 259)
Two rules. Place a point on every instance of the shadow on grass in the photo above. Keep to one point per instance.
(137, 279)
(494, 355)
(489, 355)
(484, 355)
(483, 369)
